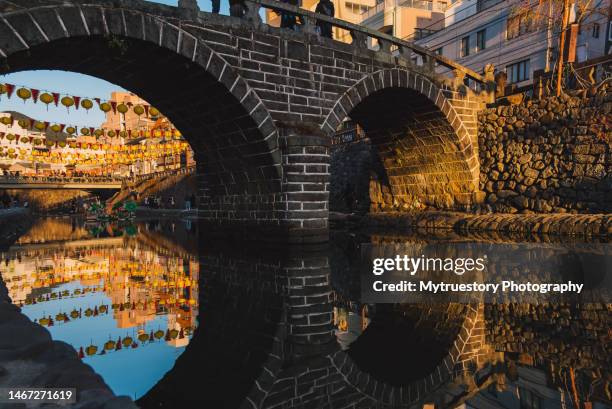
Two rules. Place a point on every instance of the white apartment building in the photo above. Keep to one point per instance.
(504, 34)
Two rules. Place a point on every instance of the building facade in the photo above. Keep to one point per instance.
(516, 38)
(407, 19)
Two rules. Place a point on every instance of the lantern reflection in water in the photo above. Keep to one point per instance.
(95, 292)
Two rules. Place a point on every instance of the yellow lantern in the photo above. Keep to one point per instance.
(3, 89)
(56, 128)
(87, 104)
(71, 130)
(153, 111)
(84, 131)
(23, 123)
(111, 133)
(98, 133)
(139, 110)
(67, 102)
(105, 107)
(122, 108)
(39, 125)
(6, 120)
(46, 98)
(24, 93)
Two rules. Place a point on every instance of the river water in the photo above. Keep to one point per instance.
(174, 320)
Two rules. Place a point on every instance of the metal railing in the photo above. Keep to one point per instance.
(359, 35)
(161, 174)
(23, 179)
(89, 180)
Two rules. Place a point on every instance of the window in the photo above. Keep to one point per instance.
(481, 40)
(465, 46)
(518, 25)
(356, 8)
(438, 51)
(595, 30)
(518, 72)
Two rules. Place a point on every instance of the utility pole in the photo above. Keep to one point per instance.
(562, 45)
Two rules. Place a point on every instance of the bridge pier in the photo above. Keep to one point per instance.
(291, 210)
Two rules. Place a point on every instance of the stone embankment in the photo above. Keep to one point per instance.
(48, 200)
(552, 155)
(577, 225)
(30, 358)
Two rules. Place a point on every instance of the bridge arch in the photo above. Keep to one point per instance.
(145, 50)
(424, 134)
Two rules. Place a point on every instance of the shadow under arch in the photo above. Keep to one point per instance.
(425, 144)
(233, 136)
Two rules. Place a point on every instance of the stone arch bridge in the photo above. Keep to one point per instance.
(259, 104)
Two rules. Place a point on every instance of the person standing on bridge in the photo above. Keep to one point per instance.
(288, 20)
(216, 6)
(325, 7)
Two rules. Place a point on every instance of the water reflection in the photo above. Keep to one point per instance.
(287, 327)
(127, 305)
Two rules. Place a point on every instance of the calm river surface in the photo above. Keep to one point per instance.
(173, 320)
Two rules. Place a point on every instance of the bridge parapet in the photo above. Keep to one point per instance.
(236, 88)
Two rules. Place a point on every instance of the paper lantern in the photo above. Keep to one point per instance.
(105, 107)
(3, 89)
(71, 130)
(24, 93)
(37, 141)
(62, 144)
(49, 143)
(153, 111)
(122, 108)
(39, 125)
(6, 120)
(67, 102)
(10, 137)
(46, 99)
(123, 134)
(87, 104)
(84, 131)
(56, 128)
(98, 133)
(111, 134)
(23, 123)
(139, 110)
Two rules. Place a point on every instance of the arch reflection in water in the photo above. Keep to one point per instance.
(128, 304)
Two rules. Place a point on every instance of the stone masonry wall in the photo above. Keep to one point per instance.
(351, 164)
(551, 155)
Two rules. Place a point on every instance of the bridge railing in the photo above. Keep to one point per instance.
(23, 179)
(156, 175)
(360, 36)
(100, 180)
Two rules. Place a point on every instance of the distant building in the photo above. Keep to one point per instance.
(406, 19)
(481, 32)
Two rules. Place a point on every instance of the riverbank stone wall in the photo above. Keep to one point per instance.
(552, 155)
